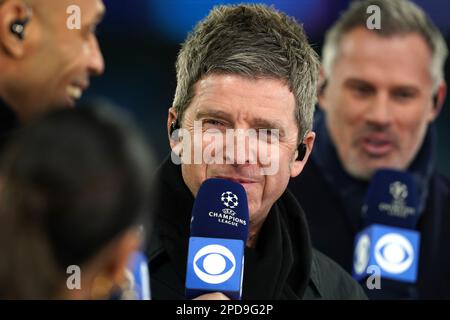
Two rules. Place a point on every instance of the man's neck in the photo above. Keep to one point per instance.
(254, 229)
(6, 98)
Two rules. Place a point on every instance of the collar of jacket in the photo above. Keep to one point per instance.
(352, 191)
(8, 122)
(279, 267)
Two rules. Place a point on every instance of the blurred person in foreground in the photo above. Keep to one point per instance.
(73, 186)
(380, 93)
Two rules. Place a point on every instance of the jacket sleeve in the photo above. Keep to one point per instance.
(332, 282)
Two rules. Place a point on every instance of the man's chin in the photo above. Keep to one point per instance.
(364, 167)
(67, 103)
(365, 173)
(361, 174)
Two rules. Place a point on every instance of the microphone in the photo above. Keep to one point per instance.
(138, 278)
(219, 231)
(389, 240)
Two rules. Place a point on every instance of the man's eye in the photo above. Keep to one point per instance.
(268, 135)
(403, 95)
(212, 122)
(361, 90)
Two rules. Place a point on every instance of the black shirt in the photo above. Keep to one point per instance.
(8, 124)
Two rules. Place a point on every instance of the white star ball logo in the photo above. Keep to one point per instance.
(229, 199)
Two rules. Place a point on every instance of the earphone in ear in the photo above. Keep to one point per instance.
(301, 152)
(322, 87)
(435, 100)
(175, 126)
(18, 28)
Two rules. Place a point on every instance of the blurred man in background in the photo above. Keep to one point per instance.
(381, 90)
(45, 59)
(74, 186)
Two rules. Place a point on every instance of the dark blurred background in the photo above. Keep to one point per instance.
(141, 38)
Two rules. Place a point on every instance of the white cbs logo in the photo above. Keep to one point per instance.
(229, 199)
(211, 263)
(394, 253)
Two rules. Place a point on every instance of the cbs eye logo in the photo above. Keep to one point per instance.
(214, 264)
(394, 253)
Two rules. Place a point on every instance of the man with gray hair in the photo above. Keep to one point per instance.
(380, 91)
(245, 67)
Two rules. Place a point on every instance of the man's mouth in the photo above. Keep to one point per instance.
(237, 179)
(377, 146)
(74, 92)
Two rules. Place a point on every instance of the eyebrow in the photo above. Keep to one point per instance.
(97, 19)
(355, 81)
(213, 113)
(100, 15)
(258, 123)
(261, 123)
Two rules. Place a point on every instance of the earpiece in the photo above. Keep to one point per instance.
(175, 126)
(301, 152)
(322, 87)
(18, 27)
(435, 100)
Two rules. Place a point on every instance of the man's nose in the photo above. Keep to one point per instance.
(96, 62)
(246, 145)
(379, 111)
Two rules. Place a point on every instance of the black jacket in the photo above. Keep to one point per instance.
(283, 264)
(334, 223)
(8, 124)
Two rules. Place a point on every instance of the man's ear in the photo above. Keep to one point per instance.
(438, 100)
(299, 164)
(128, 243)
(109, 266)
(13, 14)
(172, 118)
(321, 88)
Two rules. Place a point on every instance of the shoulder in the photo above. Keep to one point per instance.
(165, 280)
(331, 281)
(441, 184)
(439, 193)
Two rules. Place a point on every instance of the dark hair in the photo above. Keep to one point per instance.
(70, 184)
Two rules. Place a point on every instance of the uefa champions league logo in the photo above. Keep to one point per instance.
(398, 206)
(229, 199)
(398, 190)
(228, 215)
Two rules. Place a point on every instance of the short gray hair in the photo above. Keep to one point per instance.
(254, 41)
(397, 17)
